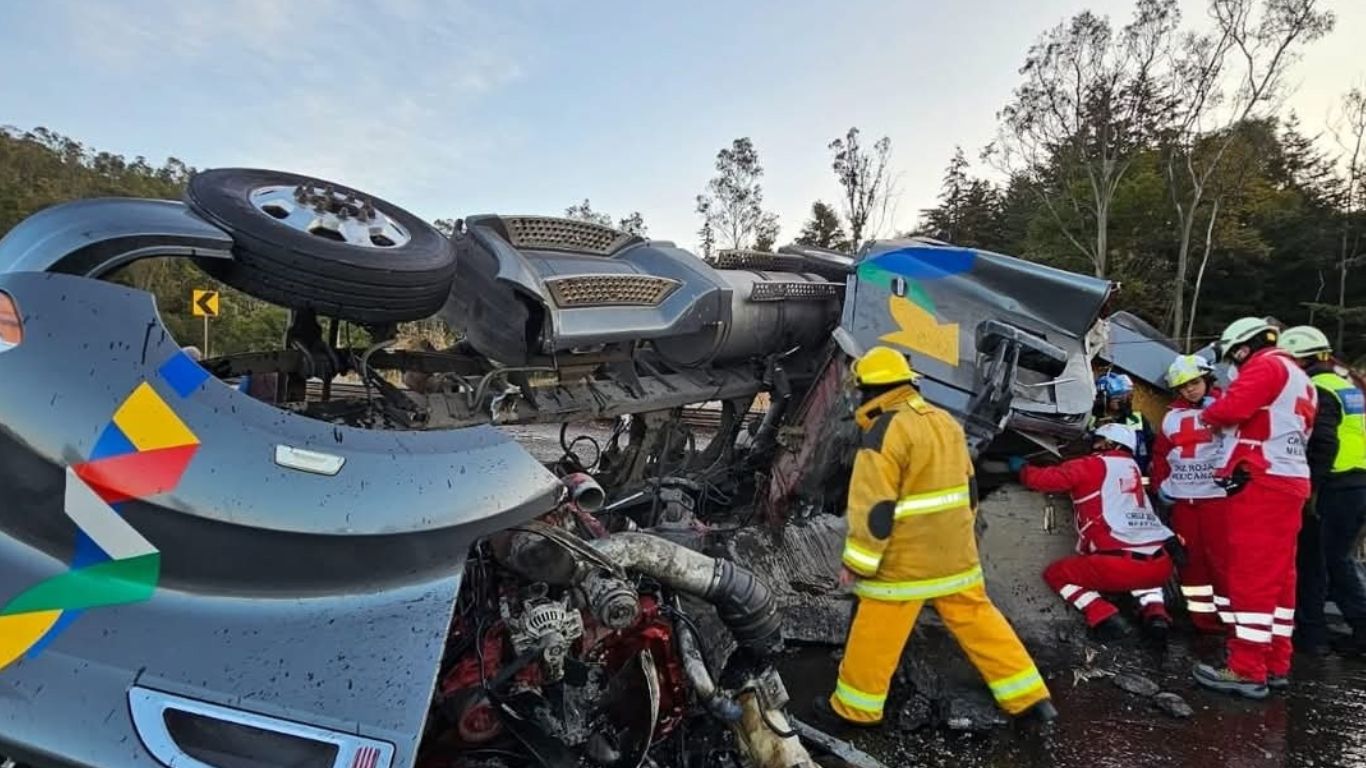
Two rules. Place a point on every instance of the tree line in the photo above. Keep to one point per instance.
(1158, 155)
(1153, 154)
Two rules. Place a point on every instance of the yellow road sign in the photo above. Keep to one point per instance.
(204, 303)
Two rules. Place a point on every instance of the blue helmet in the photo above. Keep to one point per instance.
(1114, 385)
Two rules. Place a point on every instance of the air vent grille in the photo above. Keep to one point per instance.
(794, 291)
(759, 260)
(610, 290)
(555, 234)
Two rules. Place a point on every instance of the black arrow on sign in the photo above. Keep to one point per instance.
(204, 299)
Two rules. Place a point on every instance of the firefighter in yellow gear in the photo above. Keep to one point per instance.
(912, 500)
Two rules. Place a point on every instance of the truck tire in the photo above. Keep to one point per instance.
(305, 243)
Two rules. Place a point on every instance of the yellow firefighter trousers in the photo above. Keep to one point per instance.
(880, 632)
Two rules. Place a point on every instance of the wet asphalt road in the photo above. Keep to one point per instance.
(1320, 722)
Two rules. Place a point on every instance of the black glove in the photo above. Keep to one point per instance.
(1176, 550)
(1235, 482)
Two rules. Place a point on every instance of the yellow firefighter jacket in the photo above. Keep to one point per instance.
(912, 500)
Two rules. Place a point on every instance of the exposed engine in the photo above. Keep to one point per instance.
(575, 644)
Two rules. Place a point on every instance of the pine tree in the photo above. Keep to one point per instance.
(824, 229)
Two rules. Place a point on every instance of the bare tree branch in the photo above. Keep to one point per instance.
(1088, 105)
(732, 205)
(1197, 75)
(863, 175)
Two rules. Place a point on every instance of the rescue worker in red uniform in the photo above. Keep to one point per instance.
(1269, 409)
(1185, 455)
(1121, 543)
(911, 543)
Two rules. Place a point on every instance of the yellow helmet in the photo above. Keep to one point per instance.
(880, 366)
(1187, 368)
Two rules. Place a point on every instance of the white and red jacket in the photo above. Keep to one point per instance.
(1109, 500)
(1269, 409)
(1187, 452)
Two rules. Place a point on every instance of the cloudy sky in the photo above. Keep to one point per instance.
(452, 108)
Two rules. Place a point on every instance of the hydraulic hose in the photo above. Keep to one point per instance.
(722, 706)
(743, 602)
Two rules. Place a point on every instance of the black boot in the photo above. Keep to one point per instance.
(1112, 629)
(1310, 648)
(1353, 645)
(824, 717)
(1156, 629)
(1042, 712)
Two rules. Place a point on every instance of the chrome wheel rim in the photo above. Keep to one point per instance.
(330, 214)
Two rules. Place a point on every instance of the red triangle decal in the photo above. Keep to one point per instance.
(136, 475)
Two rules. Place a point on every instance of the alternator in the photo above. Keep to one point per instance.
(612, 600)
(548, 624)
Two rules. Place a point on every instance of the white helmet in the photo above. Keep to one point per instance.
(1119, 434)
(1244, 330)
(1304, 341)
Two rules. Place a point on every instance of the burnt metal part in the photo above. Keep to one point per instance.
(746, 606)
(811, 451)
(625, 468)
(547, 750)
(720, 705)
(987, 412)
(780, 386)
(305, 335)
(585, 491)
(612, 600)
(593, 399)
(546, 626)
(842, 749)
(579, 399)
(316, 363)
(771, 688)
(766, 734)
(742, 601)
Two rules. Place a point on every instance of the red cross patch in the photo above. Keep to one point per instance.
(1133, 484)
(1190, 436)
(1306, 406)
